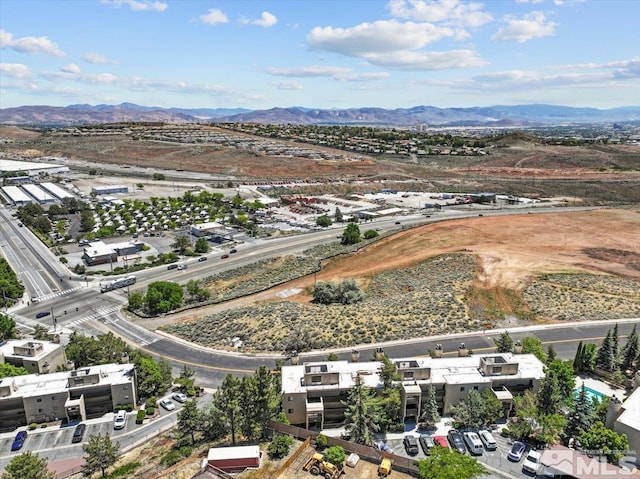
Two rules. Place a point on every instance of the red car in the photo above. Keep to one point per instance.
(441, 441)
(224, 256)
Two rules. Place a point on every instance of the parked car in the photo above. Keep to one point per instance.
(473, 442)
(18, 442)
(78, 432)
(397, 222)
(516, 451)
(456, 441)
(168, 404)
(180, 397)
(410, 445)
(120, 420)
(441, 441)
(224, 256)
(233, 251)
(488, 440)
(202, 258)
(172, 266)
(531, 462)
(426, 443)
(43, 314)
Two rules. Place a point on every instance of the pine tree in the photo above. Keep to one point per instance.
(615, 344)
(226, 401)
(551, 354)
(267, 397)
(362, 418)
(549, 395)
(577, 359)
(605, 359)
(581, 416)
(631, 350)
(430, 414)
(504, 343)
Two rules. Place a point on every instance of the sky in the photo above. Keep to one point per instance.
(329, 54)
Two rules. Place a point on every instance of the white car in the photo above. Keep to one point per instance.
(168, 404)
(120, 420)
(531, 462)
(180, 397)
(488, 440)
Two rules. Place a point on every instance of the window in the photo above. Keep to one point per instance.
(461, 388)
(290, 411)
(475, 388)
(408, 375)
(290, 398)
(39, 400)
(497, 370)
(39, 410)
(316, 379)
(53, 398)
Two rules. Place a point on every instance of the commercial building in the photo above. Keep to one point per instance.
(97, 252)
(38, 194)
(16, 196)
(208, 229)
(56, 191)
(32, 168)
(38, 357)
(72, 395)
(109, 190)
(313, 393)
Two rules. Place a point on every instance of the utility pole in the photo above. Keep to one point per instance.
(55, 321)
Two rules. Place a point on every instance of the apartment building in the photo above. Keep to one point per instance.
(38, 357)
(79, 394)
(313, 393)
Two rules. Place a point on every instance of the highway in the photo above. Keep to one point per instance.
(77, 304)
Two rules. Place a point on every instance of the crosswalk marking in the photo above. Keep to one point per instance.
(102, 314)
(57, 293)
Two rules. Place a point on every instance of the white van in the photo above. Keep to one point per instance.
(473, 442)
(490, 443)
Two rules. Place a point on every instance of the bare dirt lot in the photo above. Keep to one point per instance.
(447, 277)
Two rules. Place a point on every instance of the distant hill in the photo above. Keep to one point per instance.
(517, 115)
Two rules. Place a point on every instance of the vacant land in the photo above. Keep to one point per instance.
(455, 276)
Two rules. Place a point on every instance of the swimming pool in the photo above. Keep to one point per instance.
(591, 393)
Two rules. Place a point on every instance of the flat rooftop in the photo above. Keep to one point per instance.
(8, 349)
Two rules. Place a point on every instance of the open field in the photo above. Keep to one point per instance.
(518, 164)
(461, 275)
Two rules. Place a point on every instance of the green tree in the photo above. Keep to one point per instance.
(202, 246)
(163, 296)
(181, 244)
(362, 419)
(7, 327)
(349, 292)
(87, 222)
(444, 463)
(549, 394)
(83, 350)
(332, 357)
(631, 350)
(279, 446)
(351, 234)
(388, 372)
(150, 378)
(577, 359)
(526, 415)
(136, 300)
(533, 345)
(336, 455)
(605, 358)
(550, 427)
(600, 438)
(323, 292)
(504, 343)
(189, 423)
(338, 215)
(324, 221)
(226, 400)
(9, 370)
(247, 403)
(100, 454)
(551, 354)
(27, 466)
(370, 234)
(581, 416)
(563, 371)
(267, 398)
(430, 415)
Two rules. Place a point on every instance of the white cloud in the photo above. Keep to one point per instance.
(32, 45)
(530, 26)
(71, 68)
(310, 71)
(266, 20)
(97, 58)
(288, 85)
(448, 12)
(138, 5)
(15, 70)
(383, 36)
(213, 17)
(427, 61)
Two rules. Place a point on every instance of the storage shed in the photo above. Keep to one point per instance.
(234, 459)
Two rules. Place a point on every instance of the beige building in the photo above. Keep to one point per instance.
(313, 393)
(624, 418)
(79, 394)
(37, 357)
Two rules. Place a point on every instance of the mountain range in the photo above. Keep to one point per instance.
(501, 115)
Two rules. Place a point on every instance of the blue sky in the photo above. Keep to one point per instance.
(320, 53)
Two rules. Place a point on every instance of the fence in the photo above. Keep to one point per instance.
(371, 454)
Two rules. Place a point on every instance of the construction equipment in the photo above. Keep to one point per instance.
(317, 466)
(384, 469)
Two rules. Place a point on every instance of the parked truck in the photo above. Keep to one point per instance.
(318, 466)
